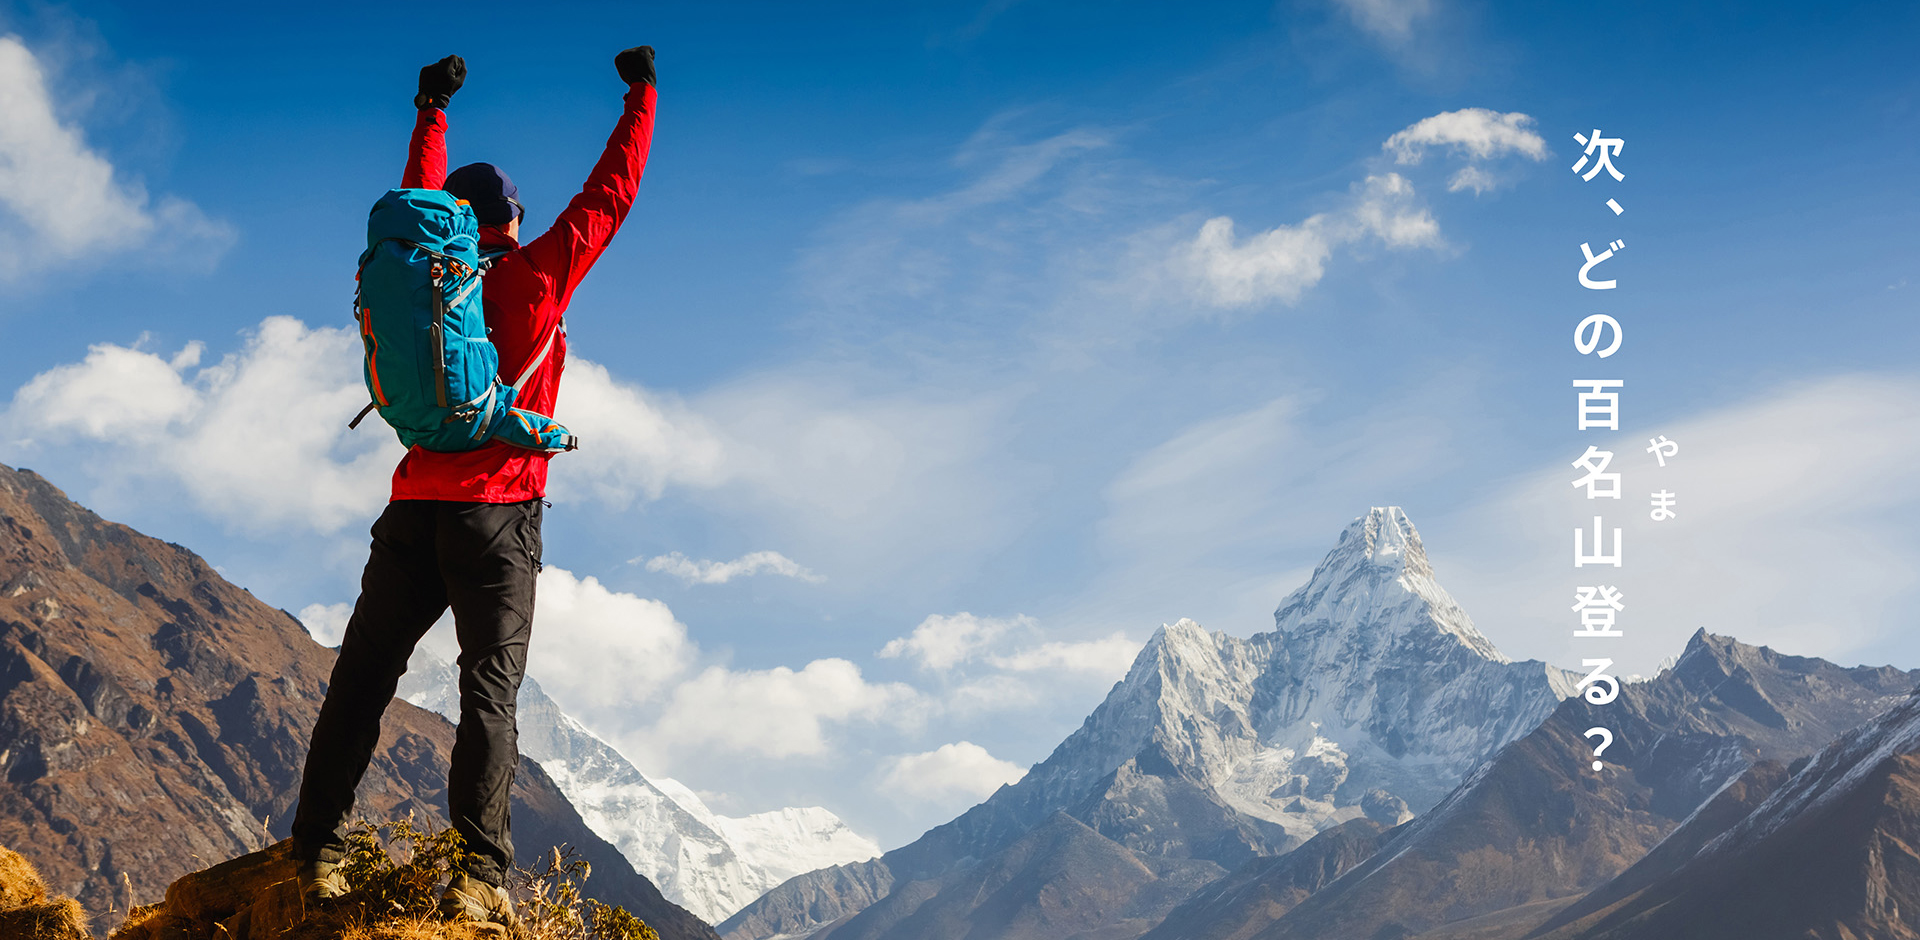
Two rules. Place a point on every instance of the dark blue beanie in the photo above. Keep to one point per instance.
(485, 187)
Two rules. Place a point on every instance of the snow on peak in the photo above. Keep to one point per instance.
(1383, 538)
(1374, 680)
(710, 864)
(1375, 587)
(1181, 640)
(1177, 654)
(786, 842)
(1186, 669)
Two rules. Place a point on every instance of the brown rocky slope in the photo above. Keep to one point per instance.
(1535, 826)
(1833, 853)
(154, 720)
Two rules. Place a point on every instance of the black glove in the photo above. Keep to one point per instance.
(635, 65)
(439, 81)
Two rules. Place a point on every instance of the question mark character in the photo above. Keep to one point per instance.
(1606, 741)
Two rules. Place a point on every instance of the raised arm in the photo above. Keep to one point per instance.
(427, 152)
(567, 250)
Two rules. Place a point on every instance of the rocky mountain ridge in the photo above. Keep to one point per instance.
(1534, 828)
(1831, 852)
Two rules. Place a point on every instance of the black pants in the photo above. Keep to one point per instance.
(480, 559)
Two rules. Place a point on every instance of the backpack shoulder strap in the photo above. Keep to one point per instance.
(487, 258)
(538, 358)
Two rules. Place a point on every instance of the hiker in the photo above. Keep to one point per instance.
(463, 528)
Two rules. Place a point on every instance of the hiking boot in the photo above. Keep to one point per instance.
(470, 898)
(321, 881)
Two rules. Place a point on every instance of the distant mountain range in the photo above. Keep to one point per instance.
(1374, 769)
(1373, 697)
(710, 864)
(1371, 769)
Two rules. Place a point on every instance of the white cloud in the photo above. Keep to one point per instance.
(777, 712)
(326, 622)
(1277, 264)
(626, 667)
(1480, 133)
(114, 390)
(634, 443)
(1283, 262)
(603, 651)
(607, 657)
(1384, 208)
(957, 774)
(260, 439)
(1474, 178)
(1106, 658)
(1390, 21)
(720, 572)
(942, 641)
(1476, 134)
(60, 201)
(998, 664)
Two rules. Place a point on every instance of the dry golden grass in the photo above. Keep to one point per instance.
(406, 928)
(397, 870)
(26, 913)
(20, 882)
(59, 919)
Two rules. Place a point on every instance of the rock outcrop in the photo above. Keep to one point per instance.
(251, 897)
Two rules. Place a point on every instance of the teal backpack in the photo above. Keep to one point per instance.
(432, 371)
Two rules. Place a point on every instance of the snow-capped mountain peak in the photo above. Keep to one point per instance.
(1373, 589)
(1375, 696)
(782, 842)
(1384, 538)
(712, 865)
(1374, 680)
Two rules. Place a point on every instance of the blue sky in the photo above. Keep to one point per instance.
(936, 303)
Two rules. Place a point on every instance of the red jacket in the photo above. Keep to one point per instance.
(525, 294)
